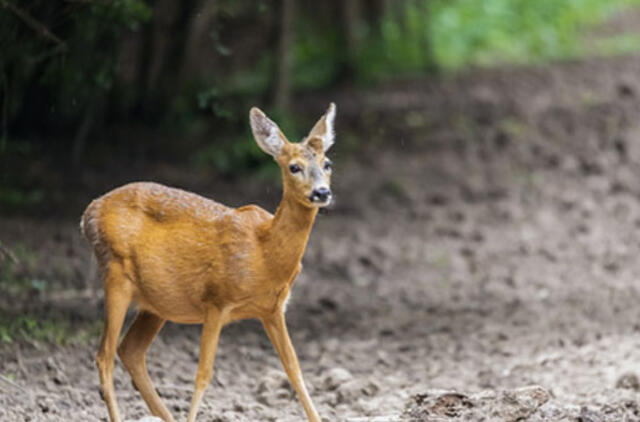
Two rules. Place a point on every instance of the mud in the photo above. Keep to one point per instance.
(480, 264)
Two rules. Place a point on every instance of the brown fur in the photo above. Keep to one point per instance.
(184, 258)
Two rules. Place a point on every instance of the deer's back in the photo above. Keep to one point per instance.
(125, 215)
(173, 243)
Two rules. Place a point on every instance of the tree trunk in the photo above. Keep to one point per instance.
(5, 109)
(196, 39)
(374, 12)
(349, 19)
(4, 157)
(84, 130)
(175, 53)
(164, 53)
(427, 42)
(284, 56)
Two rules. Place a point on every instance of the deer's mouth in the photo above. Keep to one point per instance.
(321, 203)
(321, 197)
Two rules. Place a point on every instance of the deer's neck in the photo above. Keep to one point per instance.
(287, 237)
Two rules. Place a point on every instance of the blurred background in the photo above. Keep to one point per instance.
(487, 175)
(115, 85)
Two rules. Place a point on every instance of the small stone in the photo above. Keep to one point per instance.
(626, 90)
(349, 391)
(272, 381)
(628, 381)
(506, 406)
(521, 403)
(588, 415)
(354, 389)
(335, 378)
(283, 393)
(272, 388)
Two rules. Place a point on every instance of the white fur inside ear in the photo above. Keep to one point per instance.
(329, 136)
(273, 143)
(266, 133)
(323, 129)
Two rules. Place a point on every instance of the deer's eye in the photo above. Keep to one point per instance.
(327, 165)
(294, 168)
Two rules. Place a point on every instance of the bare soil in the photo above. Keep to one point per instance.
(480, 264)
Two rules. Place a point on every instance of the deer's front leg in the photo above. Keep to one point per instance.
(208, 346)
(276, 329)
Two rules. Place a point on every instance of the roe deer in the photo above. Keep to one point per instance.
(184, 258)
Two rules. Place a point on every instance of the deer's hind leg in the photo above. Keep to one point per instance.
(132, 352)
(117, 297)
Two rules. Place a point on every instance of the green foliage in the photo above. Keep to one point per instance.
(315, 54)
(615, 45)
(86, 68)
(240, 154)
(492, 32)
(15, 198)
(402, 44)
(15, 277)
(39, 328)
(68, 71)
(101, 51)
(236, 156)
(17, 281)
(417, 36)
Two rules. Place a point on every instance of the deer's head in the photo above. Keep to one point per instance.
(306, 171)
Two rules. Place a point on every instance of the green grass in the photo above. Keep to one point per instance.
(493, 32)
(41, 329)
(18, 281)
(15, 277)
(460, 33)
(614, 45)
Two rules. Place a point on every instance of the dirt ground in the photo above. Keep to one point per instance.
(480, 264)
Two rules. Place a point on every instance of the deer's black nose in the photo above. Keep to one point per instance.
(320, 195)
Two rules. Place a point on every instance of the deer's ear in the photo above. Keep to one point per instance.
(315, 143)
(323, 129)
(266, 132)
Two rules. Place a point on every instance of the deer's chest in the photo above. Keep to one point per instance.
(264, 298)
